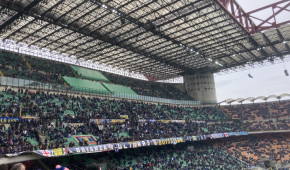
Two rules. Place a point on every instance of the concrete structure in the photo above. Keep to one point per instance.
(201, 87)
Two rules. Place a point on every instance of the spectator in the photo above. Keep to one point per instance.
(18, 166)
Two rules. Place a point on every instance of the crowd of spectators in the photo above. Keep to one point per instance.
(54, 116)
(187, 156)
(254, 149)
(228, 153)
(259, 111)
(44, 71)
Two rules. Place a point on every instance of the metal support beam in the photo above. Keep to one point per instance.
(46, 25)
(147, 26)
(99, 36)
(18, 15)
(282, 39)
(238, 14)
(245, 19)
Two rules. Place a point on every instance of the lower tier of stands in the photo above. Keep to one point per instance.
(228, 153)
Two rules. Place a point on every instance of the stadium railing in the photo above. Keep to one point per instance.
(35, 85)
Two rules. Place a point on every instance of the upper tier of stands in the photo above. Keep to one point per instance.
(47, 71)
(88, 73)
(118, 88)
(146, 88)
(78, 84)
(36, 69)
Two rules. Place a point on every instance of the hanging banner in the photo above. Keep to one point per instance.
(107, 121)
(164, 121)
(59, 151)
(9, 119)
(114, 121)
(177, 121)
(124, 116)
(126, 145)
(46, 153)
(91, 149)
(217, 135)
(90, 139)
(191, 138)
(197, 121)
(169, 141)
(147, 120)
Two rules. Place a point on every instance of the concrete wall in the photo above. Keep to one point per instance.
(179, 86)
(201, 86)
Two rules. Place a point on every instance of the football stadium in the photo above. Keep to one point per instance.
(130, 85)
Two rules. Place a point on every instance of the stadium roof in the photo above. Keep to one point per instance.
(159, 38)
(252, 99)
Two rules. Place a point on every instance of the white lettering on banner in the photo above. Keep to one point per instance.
(83, 149)
(148, 142)
(101, 148)
(91, 149)
(105, 147)
(78, 150)
(119, 146)
(139, 144)
(111, 146)
(130, 144)
(96, 148)
(143, 143)
(125, 146)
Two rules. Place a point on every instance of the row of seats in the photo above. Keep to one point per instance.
(259, 111)
(256, 148)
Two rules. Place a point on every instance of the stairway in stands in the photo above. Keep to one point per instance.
(1, 74)
(27, 63)
(61, 80)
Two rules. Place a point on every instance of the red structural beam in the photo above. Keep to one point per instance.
(245, 19)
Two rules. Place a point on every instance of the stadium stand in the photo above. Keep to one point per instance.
(57, 114)
(258, 111)
(182, 156)
(232, 153)
(254, 149)
(81, 117)
(118, 88)
(88, 73)
(145, 88)
(78, 84)
(47, 71)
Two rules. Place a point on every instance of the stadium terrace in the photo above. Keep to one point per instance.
(84, 84)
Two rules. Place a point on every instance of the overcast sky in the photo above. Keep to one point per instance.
(267, 80)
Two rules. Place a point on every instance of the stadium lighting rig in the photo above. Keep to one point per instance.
(285, 70)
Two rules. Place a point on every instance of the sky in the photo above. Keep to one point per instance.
(268, 80)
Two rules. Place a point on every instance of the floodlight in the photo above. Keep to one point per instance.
(286, 73)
